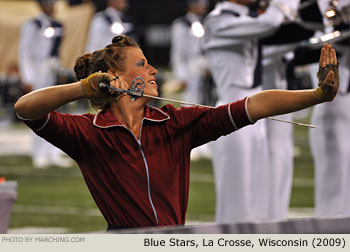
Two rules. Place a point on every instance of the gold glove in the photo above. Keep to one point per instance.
(91, 84)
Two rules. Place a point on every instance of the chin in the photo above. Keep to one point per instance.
(152, 92)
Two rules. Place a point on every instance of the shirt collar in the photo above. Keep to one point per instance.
(106, 119)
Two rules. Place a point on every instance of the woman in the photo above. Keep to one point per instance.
(134, 158)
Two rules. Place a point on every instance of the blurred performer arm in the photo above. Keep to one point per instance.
(239, 28)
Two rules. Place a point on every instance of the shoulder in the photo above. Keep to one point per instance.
(56, 23)
(55, 121)
(183, 21)
(101, 16)
(85, 119)
(185, 114)
(170, 109)
(32, 22)
(224, 10)
(86, 116)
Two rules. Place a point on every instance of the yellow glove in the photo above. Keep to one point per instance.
(91, 84)
(328, 82)
(328, 76)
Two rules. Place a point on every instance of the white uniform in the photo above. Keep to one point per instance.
(188, 62)
(241, 159)
(279, 135)
(105, 25)
(330, 141)
(39, 64)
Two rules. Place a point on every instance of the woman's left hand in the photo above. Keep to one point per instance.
(328, 74)
(118, 82)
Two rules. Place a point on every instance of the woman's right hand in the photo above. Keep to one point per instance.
(91, 86)
(118, 82)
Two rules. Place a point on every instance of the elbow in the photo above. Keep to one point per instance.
(251, 111)
(20, 107)
(257, 108)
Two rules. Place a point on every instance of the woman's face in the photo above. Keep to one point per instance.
(136, 65)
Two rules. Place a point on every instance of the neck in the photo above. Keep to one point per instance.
(129, 113)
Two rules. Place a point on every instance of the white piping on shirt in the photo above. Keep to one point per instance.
(147, 172)
(42, 126)
(144, 160)
(148, 182)
(149, 119)
(26, 119)
(246, 110)
(230, 116)
(22, 118)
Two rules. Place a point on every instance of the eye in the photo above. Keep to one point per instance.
(140, 63)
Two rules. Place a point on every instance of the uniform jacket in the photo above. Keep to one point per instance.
(187, 47)
(39, 44)
(231, 39)
(140, 182)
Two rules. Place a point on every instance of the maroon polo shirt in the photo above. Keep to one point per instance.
(140, 182)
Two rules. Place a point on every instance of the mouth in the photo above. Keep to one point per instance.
(152, 82)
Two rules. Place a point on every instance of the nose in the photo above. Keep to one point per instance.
(153, 70)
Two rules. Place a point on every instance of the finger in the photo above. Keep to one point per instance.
(104, 78)
(328, 54)
(113, 79)
(334, 57)
(330, 78)
(118, 83)
(115, 83)
(323, 57)
(120, 77)
(123, 83)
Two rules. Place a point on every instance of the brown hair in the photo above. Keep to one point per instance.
(110, 57)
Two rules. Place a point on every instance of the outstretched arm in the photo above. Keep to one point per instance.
(275, 102)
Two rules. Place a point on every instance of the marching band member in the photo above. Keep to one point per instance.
(39, 64)
(108, 23)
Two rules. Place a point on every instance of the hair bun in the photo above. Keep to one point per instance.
(81, 66)
(118, 39)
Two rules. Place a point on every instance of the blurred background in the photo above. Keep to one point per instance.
(56, 200)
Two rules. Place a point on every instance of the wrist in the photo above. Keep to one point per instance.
(87, 86)
(83, 86)
(318, 93)
(323, 95)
